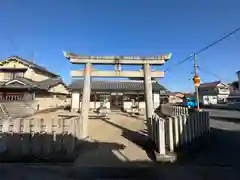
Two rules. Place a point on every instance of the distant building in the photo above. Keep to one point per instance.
(213, 93)
(238, 75)
(175, 98)
(234, 97)
(118, 93)
(25, 81)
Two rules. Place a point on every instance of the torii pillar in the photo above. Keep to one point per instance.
(148, 97)
(85, 101)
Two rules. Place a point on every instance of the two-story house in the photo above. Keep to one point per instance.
(213, 93)
(22, 80)
(234, 97)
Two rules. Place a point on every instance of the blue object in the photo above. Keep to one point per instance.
(190, 102)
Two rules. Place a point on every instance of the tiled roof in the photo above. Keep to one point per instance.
(210, 84)
(46, 84)
(115, 85)
(33, 65)
(27, 81)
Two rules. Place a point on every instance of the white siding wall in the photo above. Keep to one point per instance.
(76, 104)
(42, 103)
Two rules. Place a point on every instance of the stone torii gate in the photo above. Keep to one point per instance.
(88, 72)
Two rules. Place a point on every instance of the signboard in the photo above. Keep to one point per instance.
(196, 81)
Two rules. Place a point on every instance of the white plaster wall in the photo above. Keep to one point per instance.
(156, 103)
(75, 105)
(127, 105)
(36, 76)
(142, 105)
(97, 104)
(60, 88)
(49, 102)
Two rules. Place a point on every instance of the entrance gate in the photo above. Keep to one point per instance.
(88, 72)
(116, 101)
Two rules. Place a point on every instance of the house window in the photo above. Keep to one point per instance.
(19, 74)
(12, 75)
(8, 75)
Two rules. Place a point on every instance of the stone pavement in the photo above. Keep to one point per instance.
(125, 137)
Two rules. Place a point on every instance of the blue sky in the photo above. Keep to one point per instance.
(124, 27)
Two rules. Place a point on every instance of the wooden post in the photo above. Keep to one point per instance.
(85, 101)
(148, 97)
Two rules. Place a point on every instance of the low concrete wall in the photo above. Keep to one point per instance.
(46, 103)
(38, 139)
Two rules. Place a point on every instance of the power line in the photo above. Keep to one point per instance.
(206, 47)
(217, 41)
(180, 62)
(211, 73)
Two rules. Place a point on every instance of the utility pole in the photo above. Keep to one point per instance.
(196, 76)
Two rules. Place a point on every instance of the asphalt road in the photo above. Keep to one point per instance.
(225, 114)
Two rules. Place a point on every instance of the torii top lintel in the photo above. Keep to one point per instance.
(131, 60)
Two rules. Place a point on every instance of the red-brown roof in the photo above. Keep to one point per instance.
(210, 84)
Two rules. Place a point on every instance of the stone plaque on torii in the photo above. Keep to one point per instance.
(88, 72)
